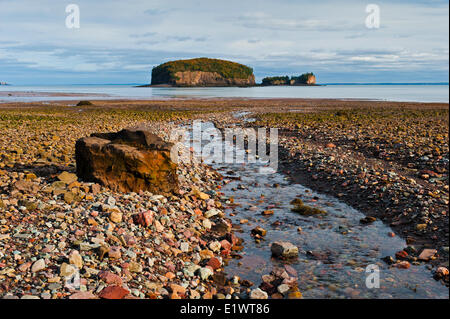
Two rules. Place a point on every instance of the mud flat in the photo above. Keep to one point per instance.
(352, 159)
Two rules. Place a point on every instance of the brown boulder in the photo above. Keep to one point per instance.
(127, 161)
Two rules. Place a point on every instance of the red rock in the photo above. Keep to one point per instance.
(401, 254)
(144, 219)
(214, 263)
(113, 292)
(127, 161)
(114, 252)
(110, 278)
(330, 145)
(225, 244)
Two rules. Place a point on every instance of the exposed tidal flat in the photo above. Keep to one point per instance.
(378, 169)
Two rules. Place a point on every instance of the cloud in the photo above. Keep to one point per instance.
(273, 37)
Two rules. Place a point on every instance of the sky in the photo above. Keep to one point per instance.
(119, 42)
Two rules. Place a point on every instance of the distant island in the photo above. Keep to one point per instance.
(202, 72)
(206, 72)
(3, 83)
(304, 79)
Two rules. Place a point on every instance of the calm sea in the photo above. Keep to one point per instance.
(384, 92)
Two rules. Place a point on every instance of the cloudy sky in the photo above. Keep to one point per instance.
(120, 41)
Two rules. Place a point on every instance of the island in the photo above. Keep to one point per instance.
(304, 79)
(202, 72)
(3, 83)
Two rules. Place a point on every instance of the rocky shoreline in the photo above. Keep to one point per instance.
(141, 245)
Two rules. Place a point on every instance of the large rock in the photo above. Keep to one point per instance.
(127, 161)
(284, 249)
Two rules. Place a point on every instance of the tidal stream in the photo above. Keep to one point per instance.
(334, 249)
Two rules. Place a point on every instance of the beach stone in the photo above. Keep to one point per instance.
(212, 212)
(83, 295)
(205, 273)
(66, 270)
(110, 278)
(127, 161)
(427, 254)
(442, 272)
(258, 294)
(75, 259)
(38, 265)
(284, 249)
(116, 217)
(113, 292)
(283, 289)
(144, 219)
(67, 178)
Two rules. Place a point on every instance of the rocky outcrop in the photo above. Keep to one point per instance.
(199, 78)
(127, 161)
(304, 79)
(202, 72)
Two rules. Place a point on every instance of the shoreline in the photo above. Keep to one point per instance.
(58, 124)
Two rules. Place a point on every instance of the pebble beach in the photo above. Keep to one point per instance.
(63, 238)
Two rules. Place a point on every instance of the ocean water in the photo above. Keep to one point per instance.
(385, 92)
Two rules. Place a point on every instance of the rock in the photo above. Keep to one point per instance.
(283, 289)
(441, 272)
(144, 219)
(283, 249)
(113, 292)
(66, 270)
(83, 295)
(67, 178)
(135, 267)
(205, 273)
(127, 161)
(116, 217)
(402, 265)
(401, 254)
(388, 260)
(330, 145)
(214, 263)
(75, 259)
(212, 212)
(69, 197)
(85, 103)
(38, 265)
(295, 295)
(367, 220)
(421, 226)
(427, 254)
(110, 278)
(267, 212)
(258, 294)
(259, 231)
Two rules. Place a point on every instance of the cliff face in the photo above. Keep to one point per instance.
(200, 78)
(203, 72)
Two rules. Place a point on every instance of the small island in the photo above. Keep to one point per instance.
(304, 79)
(202, 72)
(3, 83)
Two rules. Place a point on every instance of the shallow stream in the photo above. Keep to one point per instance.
(334, 249)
